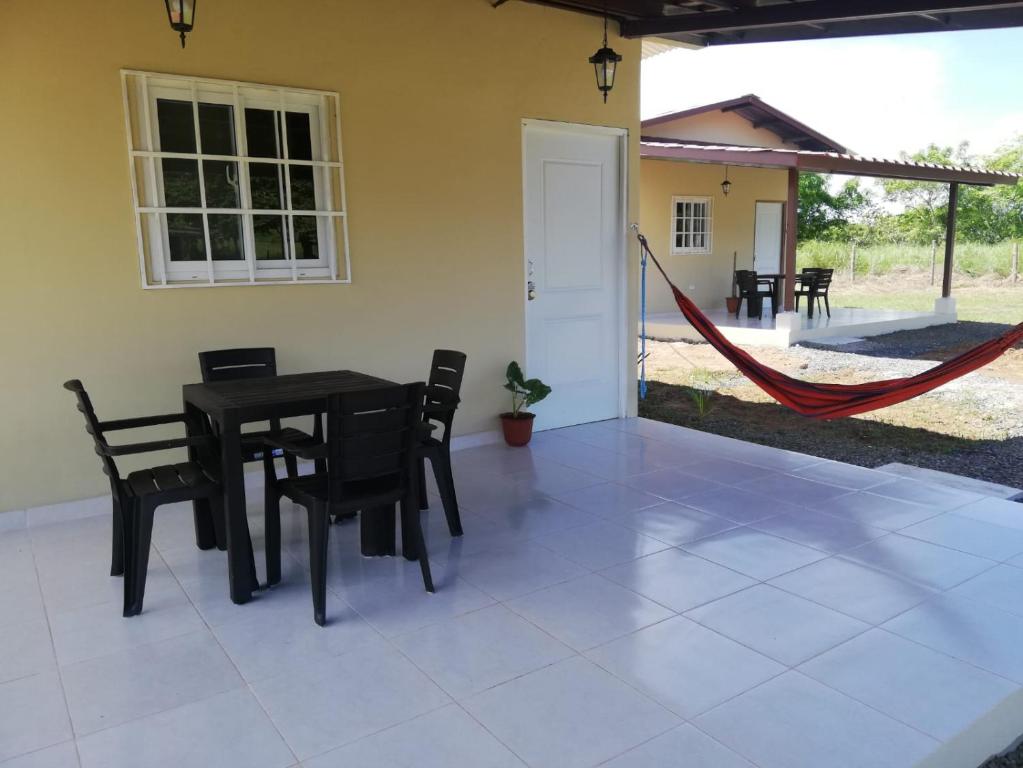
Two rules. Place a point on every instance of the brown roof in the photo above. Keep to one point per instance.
(761, 115)
(730, 22)
(823, 162)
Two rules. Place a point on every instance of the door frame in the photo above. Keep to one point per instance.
(621, 272)
(781, 229)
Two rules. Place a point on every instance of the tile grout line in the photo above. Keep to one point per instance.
(53, 649)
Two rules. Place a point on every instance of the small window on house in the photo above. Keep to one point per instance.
(690, 225)
(235, 183)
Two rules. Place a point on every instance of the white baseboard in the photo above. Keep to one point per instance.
(100, 505)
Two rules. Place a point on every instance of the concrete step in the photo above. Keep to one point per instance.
(953, 481)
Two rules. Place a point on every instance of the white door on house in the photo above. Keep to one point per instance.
(767, 237)
(574, 229)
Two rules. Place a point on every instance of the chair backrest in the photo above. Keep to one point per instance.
(94, 428)
(372, 434)
(823, 280)
(445, 384)
(233, 364)
(746, 280)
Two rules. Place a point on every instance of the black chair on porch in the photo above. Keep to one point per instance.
(442, 399)
(753, 290)
(371, 455)
(136, 497)
(254, 363)
(814, 283)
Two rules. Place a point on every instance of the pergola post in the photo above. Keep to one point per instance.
(791, 228)
(950, 238)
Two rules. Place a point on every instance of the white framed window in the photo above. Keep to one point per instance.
(691, 225)
(235, 183)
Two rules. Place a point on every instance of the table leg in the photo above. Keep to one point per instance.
(377, 530)
(776, 297)
(240, 559)
(205, 531)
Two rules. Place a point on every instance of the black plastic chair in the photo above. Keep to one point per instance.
(442, 399)
(136, 497)
(254, 363)
(372, 437)
(754, 290)
(815, 284)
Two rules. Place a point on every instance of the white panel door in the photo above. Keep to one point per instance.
(573, 240)
(767, 237)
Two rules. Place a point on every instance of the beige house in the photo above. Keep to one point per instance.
(719, 187)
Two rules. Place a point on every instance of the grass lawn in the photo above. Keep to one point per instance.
(1001, 303)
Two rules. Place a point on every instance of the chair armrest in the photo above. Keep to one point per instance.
(309, 452)
(141, 421)
(157, 445)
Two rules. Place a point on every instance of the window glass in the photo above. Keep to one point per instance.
(226, 237)
(216, 129)
(303, 190)
(185, 237)
(261, 132)
(269, 236)
(307, 245)
(177, 126)
(221, 180)
(266, 183)
(181, 182)
(300, 146)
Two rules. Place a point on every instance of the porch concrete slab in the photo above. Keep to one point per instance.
(745, 607)
(844, 324)
(951, 480)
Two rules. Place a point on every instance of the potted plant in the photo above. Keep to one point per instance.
(732, 302)
(517, 423)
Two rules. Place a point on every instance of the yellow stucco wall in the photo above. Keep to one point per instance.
(705, 278)
(432, 96)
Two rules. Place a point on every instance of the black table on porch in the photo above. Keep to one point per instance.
(229, 405)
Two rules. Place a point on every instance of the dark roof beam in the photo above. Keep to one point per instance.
(818, 12)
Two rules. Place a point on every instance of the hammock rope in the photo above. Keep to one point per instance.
(833, 401)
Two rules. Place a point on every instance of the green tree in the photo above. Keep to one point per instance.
(824, 215)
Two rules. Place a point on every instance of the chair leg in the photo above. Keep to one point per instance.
(441, 462)
(827, 305)
(411, 519)
(205, 525)
(272, 534)
(117, 541)
(137, 557)
(738, 307)
(797, 302)
(319, 529)
(291, 464)
(424, 501)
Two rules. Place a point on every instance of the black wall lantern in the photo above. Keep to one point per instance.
(181, 15)
(726, 185)
(605, 62)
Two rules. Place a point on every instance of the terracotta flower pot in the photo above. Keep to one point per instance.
(732, 304)
(517, 429)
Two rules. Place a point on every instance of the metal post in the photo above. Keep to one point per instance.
(950, 238)
(852, 264)
(1015, 262)
(791, 227)
(934, 258)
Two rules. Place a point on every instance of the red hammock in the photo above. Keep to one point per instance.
(833, 401)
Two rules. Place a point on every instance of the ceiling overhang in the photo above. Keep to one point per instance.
(729, 22)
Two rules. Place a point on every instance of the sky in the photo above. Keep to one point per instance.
(876, 95)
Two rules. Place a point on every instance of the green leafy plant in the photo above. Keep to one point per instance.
(525, 392)
(703, 383)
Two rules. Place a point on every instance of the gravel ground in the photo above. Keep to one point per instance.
(972, 426)
(1013, 759)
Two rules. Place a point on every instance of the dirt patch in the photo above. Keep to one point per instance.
(972, 426)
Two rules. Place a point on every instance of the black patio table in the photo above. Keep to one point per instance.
(229, 405)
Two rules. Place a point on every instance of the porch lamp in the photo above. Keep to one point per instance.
(604, 62)
(181, 15)
(726, 185)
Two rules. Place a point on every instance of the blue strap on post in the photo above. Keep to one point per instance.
(642, 320)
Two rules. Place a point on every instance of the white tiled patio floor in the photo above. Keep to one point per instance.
(626, 594)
